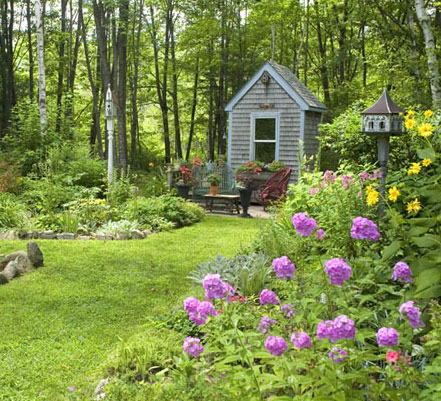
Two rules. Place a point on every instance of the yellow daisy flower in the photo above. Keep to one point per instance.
(427, 162)
(394, 194)
(411, 113)
(428, 113)
(425, 129)
(414, 206)
(372, 197)
(409, 124)
(414, 169)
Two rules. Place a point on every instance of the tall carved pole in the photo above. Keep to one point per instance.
(109, 114)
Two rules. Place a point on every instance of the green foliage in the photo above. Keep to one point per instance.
(12, 212)
(275, 166)
(92, 213)
(173, 209)
(114, 227)
(213, 179)
(250, 274)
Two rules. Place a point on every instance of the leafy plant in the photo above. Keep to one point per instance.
(275, 166)
(213, 179)
(114, 227)
(12, 212)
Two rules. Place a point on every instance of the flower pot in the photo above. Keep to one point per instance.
(183, 190)
(214, 189)
(245, 198)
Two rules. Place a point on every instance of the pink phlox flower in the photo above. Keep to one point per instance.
(215, 288)
(265, 324)
(413, 314)
(329, 177)
(276, 345)
(287, 310)
(192, 346)
(268, 297)
(338, 329)
(301, 340)
(320, 234)
(303, 224)
(387, 337)
(283, 267)
(338, 270)
(402, 271)
(191, 304)
(337, 354)
(313, 191)
(346, 180)
(363, 228)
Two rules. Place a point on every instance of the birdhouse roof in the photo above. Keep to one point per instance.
(384, 105)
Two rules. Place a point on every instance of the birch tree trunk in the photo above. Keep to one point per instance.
(432, 62)
(41, 70)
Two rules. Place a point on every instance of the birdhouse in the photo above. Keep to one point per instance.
(383, 118)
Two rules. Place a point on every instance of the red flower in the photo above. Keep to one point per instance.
(392, 356)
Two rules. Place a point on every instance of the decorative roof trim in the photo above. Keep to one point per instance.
(384, 105)
(280, 80)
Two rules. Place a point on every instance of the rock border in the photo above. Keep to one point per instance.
(49, 234)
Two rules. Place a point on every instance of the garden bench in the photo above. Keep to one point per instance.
(229, 202)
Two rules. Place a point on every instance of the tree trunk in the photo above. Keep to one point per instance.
(30, 50)
(61, 63)
(432, 62)
(193, 110)
(122, 83)
(41, 68)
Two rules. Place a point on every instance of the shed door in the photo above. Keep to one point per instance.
(265, 137)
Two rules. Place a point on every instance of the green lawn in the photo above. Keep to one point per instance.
(59, 323)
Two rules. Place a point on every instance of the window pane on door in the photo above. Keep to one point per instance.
(265, 151)
(265, 129)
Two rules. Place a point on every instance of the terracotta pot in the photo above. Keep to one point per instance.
(214, 189)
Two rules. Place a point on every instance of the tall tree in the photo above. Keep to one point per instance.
(30, 49)
(41, 68)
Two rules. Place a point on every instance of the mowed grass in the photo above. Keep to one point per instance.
(60, 322)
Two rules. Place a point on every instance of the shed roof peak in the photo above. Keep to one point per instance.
(384, 105)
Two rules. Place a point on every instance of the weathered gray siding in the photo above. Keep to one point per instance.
(289, 124)
(311, 143)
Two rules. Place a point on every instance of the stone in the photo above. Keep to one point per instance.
(11, 235)
(23, 263)
(103, 237)
(137, 234)
(47, 235)
(122, 236)
(10, 271)
(35, 255)
(30, 235)
(3, 279)
(147, 232)
(67, 236)
(84, 237)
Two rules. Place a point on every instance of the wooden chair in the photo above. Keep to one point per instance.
(274, 188)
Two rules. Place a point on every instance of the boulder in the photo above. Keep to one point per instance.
(147, 232)
(69, 236)
(3, 279)
(137, 234)
(84, 237)
(122, 236)
(10, 271)
(35, 255)
(103, 237)
(22, 263)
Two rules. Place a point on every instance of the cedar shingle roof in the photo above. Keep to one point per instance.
(384, 105)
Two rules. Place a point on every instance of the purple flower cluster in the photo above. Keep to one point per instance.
(303, 224)
(364, 175)
(301, 340)
(192, 346)
(265, 324)
(313, 191)
(413, 314)
(340, 328)
(363, 228)
(276, 345)
(328, 178)
(346, 180)
(337, 354)
(215, 288)
(288, 310)
(338, 270)
(198, 312)
(268, 297)
(320, 234)
(387, 337)
(402, 271)
(284, 268)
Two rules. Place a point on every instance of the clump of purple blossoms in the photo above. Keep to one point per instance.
(215, 288)
(320, 234)
(313, 191)
(338, 270)
(192, 346)
(268, 297)
(287, 310)
(387, 337)
(303, 224)
(337, 354)
(363, 228)
(301, 340)
(265, 324)
(402, 271)
(413, 314)
(346, 180)
(276, 345)
(198, 312)
(328, 178)
(338, 329)
(284, 268)
(205, 309)
(191, 304)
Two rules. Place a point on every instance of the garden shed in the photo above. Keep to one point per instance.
(270, 116)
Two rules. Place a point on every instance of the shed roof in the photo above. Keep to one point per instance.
(384, 105)
(288, 81)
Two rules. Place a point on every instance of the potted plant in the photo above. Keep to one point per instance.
(214, 180)
(186, 180)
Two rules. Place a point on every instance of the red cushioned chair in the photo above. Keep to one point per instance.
(274, 188)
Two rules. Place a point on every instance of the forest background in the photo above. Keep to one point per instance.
(173, 65)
